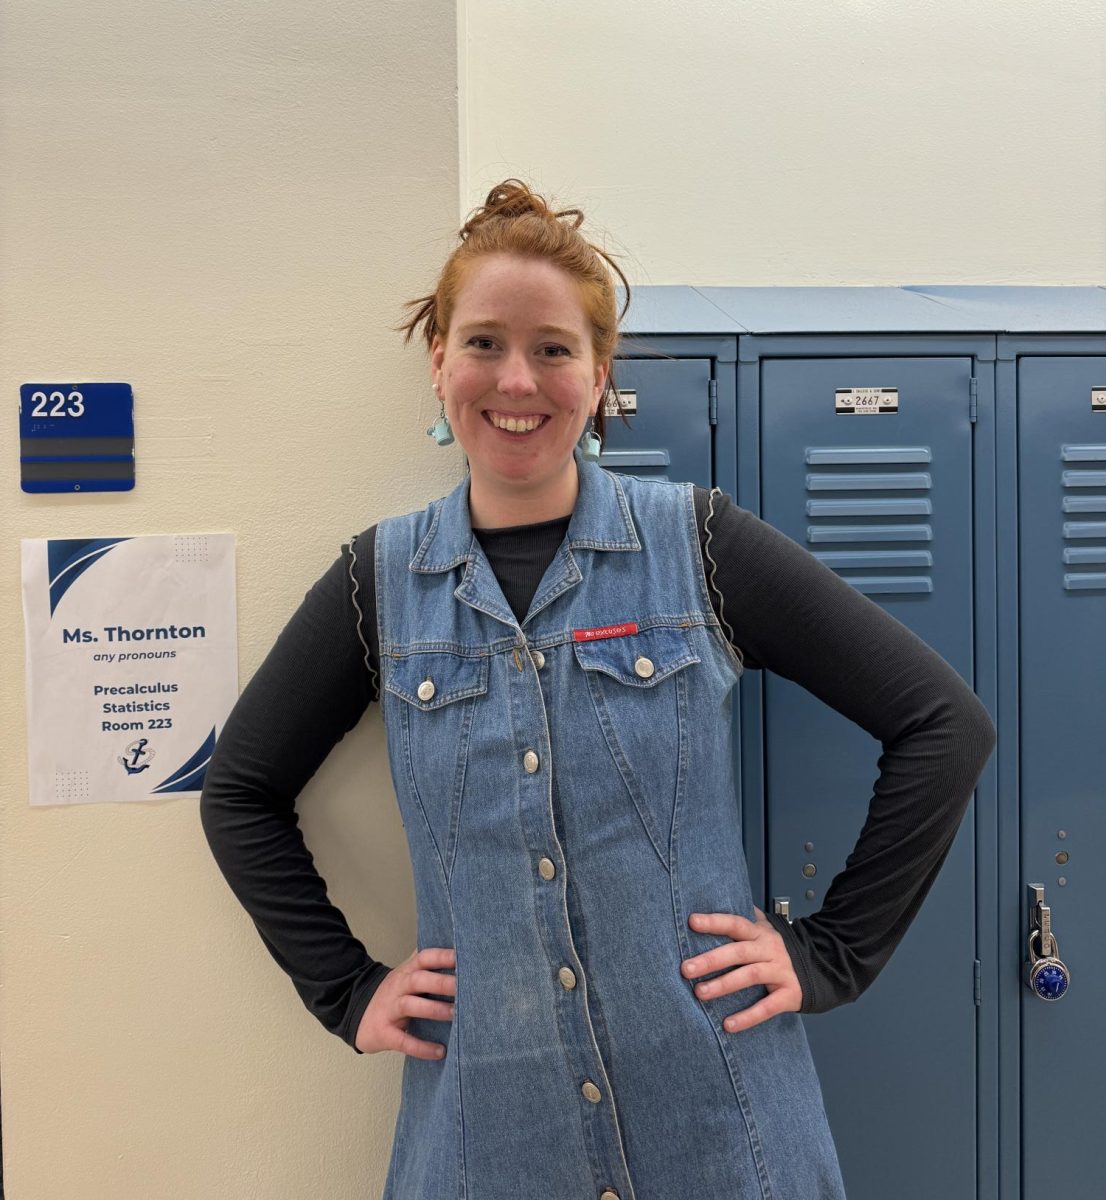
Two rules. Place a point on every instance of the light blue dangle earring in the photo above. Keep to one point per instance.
(592, 443)
(440, 430)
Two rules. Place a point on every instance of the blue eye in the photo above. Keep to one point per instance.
(561, 348)
(477, 338)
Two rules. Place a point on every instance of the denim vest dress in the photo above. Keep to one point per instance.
(567, 792)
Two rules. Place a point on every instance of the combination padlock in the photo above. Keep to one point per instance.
(1045, 973)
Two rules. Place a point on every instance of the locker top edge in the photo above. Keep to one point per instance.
(936, 308)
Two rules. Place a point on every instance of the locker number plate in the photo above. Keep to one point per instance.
(627, 403)
(1098, 399)
(865, 401)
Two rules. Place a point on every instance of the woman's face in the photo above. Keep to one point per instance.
(518, 350)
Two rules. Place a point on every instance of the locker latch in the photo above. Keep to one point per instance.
(1045, 974)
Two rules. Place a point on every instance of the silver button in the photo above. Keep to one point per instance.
(530, 761)
(567, 977)
(546, 868)
(426, 690)
(539, 658)
(591, 1092)
(644, 667)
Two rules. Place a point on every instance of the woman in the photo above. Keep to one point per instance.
(596, 1008)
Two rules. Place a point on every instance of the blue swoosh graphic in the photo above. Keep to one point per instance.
(67, 559)
(189, 776)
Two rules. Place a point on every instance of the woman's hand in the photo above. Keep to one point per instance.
(759, 948)
(384, 1023)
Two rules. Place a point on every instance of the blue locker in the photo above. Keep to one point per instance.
(838, 484)
(1061, 605)
(974, 509)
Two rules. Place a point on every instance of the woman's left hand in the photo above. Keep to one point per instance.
(760, 950)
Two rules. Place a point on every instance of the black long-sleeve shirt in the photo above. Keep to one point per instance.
(789, 613)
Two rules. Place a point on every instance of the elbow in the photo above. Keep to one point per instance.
(212, 807)
(986, 735)
(980, 735)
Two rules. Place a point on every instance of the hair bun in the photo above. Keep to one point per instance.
(512, 198)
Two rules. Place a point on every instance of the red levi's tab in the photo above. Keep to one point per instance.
(604, 631)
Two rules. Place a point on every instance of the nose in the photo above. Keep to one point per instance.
(516, 376)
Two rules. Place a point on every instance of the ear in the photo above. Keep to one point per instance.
(602, 370)
(437, 354)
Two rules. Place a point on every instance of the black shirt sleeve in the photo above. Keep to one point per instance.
(311, 689)
(793, 615)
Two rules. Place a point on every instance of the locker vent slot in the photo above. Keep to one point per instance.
(872, 454)
(1084, 530)
(1084, 453)
(897, 568)
(919, 481)
(1081, 504)
(1081, 479)
(869, 533)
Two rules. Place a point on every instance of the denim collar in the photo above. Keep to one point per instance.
(600, 521)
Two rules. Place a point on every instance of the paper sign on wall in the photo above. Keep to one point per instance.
(132, 663)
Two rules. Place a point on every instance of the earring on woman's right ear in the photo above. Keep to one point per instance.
(592, 444)
(440, 430)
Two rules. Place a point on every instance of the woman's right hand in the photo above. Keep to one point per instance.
(397, 999)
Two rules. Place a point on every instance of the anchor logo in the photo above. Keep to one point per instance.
(137, 758)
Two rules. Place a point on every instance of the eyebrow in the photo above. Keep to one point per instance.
(555, 330)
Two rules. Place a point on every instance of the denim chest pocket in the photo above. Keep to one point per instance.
(638, 686)
(436, 693)
(432, 679)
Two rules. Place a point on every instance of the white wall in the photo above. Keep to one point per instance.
(803, 141)
(224, 205)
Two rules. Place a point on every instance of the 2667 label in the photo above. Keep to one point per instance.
(864, 401)
(604, 631)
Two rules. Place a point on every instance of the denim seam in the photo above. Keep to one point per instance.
(629, 779)
(410, 778)
(684, 621)
(456, 799)
(661, 672)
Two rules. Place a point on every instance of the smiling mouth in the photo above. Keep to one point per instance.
(525, 423)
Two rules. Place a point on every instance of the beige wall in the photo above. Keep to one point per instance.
(224, 205)
(804, 141)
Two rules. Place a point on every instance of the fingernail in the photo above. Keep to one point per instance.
(440, 1052)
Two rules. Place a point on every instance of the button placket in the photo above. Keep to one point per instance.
(531, 720)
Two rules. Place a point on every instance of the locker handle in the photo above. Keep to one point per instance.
(1046, 975)
(635, 458)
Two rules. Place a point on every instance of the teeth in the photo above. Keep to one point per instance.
(515, 424)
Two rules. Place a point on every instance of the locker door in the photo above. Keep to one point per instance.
(886, 501)
(668, 436)
(1062, 644)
